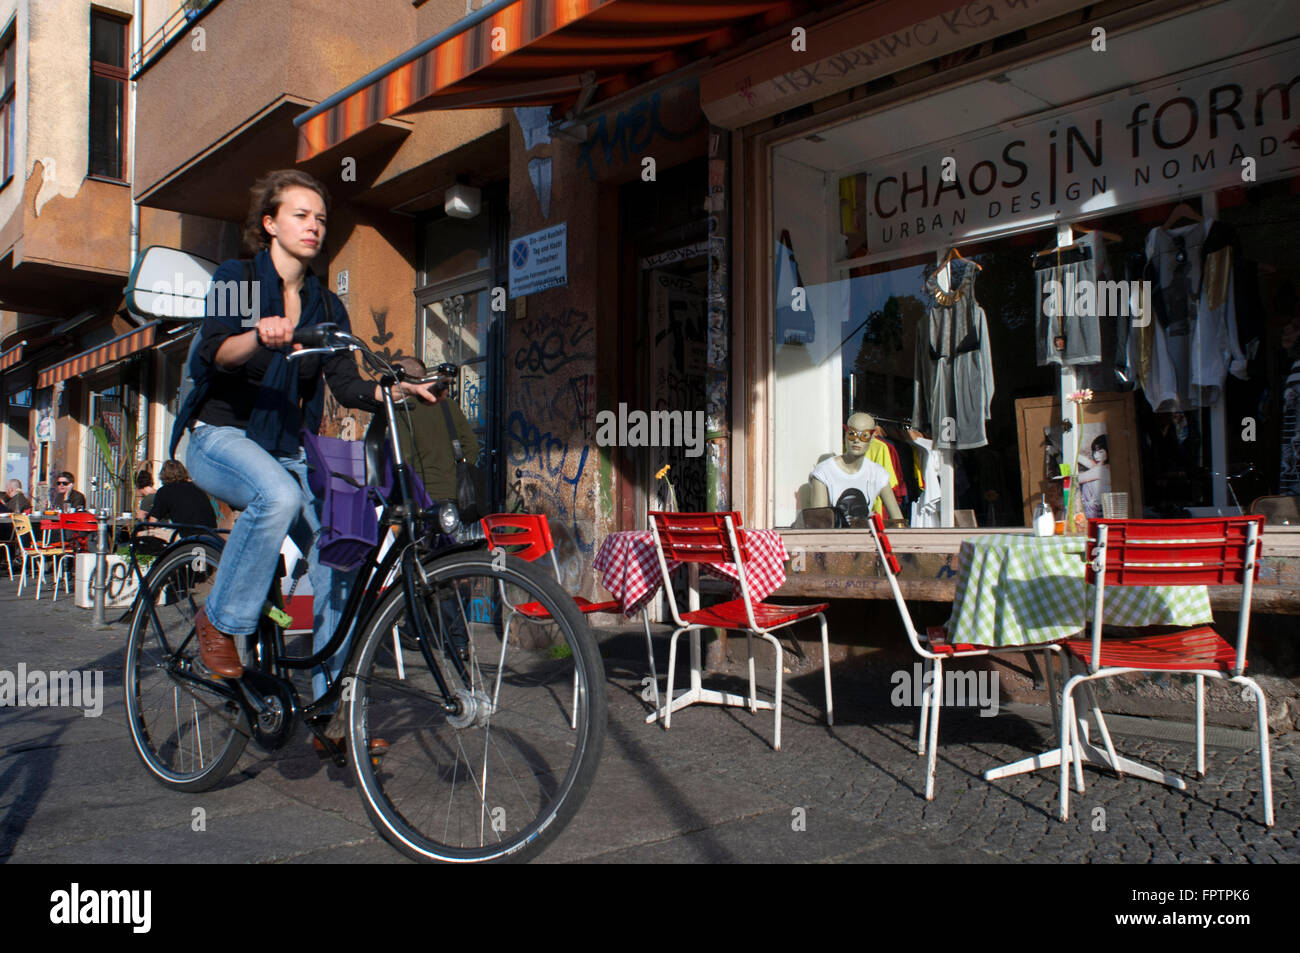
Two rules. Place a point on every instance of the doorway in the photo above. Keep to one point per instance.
(668, 342)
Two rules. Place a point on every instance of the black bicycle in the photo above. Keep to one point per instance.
(479, 746)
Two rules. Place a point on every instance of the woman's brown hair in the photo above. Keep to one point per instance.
(173, 471)
(265, 199)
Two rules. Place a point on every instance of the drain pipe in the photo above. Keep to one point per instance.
(137, 40)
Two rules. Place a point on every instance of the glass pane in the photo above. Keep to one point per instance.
(6, 138)
(8, 57)
(455, 328)
(454, 247)
(106, 126)
(107, 40)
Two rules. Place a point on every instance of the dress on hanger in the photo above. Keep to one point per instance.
(1194, 342)
(954, 363)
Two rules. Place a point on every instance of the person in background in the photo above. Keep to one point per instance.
(179, 500)
(65, 495)
(15, 501)
(144, 493)
(430, 454)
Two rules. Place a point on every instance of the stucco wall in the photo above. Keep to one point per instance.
(15, 12)
(252, 54)
(58, 100)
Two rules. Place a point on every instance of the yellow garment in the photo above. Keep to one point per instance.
(877, 452)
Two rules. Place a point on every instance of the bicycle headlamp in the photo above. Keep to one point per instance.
(448, 518)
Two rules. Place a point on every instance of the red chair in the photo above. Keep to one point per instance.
(1185, 552)
(713, 538)
(934, 647)
(532, 534)
(84, 525)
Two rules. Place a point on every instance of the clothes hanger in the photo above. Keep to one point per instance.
(1108, 236)
(1055, 249)
(954, 252)
(1181, 210)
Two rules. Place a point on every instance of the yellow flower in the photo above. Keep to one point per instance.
(660, 474)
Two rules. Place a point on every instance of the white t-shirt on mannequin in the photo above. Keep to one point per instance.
(870, 479)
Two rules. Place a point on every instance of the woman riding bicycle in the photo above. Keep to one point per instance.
(249, 406)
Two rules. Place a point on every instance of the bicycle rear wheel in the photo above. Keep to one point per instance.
(188, 735)
(501, 777)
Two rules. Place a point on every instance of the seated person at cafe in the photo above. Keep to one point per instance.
(851, 482)
(144, 493)
(15, 501)
(178, 500)
(65, 495)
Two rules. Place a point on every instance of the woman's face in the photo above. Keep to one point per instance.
(1099, 455)
(299, 224)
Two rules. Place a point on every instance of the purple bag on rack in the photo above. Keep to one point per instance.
(336, 473)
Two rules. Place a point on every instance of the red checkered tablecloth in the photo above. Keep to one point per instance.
(630, 566)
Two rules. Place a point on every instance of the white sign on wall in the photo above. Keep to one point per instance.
(539, 261)
(1234, 124)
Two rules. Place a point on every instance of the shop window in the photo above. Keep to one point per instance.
(108, 78)
(1174, 301)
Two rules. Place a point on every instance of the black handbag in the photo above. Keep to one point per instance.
(470, 492)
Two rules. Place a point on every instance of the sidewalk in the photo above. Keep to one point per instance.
(711, 789)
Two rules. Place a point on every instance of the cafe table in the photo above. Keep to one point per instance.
(1019, 589)
(630, 571)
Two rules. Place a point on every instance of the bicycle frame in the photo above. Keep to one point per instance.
(268, 641)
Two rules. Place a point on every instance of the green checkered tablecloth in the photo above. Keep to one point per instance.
(1026, 590)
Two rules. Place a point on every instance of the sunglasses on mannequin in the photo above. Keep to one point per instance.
(856, 434)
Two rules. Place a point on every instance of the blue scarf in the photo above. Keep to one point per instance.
(278, 413)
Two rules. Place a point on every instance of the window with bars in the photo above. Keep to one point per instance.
(108, 78)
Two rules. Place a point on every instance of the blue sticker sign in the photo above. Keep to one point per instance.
(539, 261)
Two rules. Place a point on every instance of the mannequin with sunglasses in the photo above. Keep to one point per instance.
(851, 482)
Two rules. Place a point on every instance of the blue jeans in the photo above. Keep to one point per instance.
(277, 502)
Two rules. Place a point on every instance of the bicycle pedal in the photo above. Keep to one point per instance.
(278, 616)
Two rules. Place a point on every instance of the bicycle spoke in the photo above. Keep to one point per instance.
(498, 767)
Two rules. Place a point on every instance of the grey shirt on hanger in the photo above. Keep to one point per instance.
(954, 364)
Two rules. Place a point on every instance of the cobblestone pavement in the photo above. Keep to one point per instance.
(710, 789)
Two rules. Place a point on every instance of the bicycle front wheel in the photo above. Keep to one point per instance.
(188, 735)
(500, 775)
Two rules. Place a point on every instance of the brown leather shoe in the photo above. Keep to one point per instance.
(216, 648)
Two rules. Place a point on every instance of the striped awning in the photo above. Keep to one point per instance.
(11, 357)
(535, 52)
(124, 345)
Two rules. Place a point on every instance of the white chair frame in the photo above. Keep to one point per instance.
(505, 640)
(724, 698)
(932, 662)
(1070, 726)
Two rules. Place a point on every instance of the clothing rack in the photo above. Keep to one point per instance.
(880, 418)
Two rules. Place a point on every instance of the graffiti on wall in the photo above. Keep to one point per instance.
(551, 342)
(631, 132)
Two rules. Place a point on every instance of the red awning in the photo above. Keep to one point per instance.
(11, 357)
(534, 52)
(121, 346)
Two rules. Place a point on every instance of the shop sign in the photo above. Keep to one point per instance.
(866, 44)
(1234, 124)
(539, 261)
